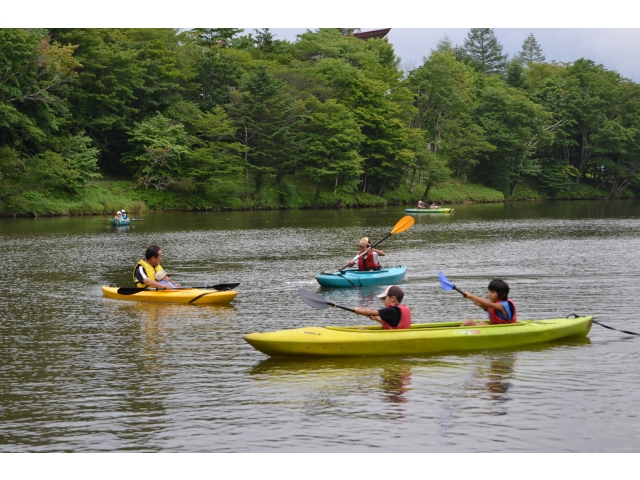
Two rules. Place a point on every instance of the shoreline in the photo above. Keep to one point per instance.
(52, 214)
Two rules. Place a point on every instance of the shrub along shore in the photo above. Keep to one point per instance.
(106, 197)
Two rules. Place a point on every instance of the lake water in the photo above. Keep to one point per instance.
(82, 373)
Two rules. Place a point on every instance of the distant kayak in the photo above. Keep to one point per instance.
(196, 296)
(356, 278)
(117, 222)
(420, 339)
(429, 210)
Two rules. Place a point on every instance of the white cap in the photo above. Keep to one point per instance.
(118, 212)
(123, 210)
(160, 275)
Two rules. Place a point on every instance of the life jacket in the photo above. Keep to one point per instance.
(148, 270)
(495, 319)
(367, 262)
(405, 318)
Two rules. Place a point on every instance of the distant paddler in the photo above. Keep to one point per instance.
(144, 273)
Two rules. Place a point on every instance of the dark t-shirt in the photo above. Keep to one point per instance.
(391, 315)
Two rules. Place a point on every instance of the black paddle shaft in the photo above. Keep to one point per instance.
(318, 301)
(219, 287)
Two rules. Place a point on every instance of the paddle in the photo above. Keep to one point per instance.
(219, 287)
(447, 286)
(403, 224)
(318, 301)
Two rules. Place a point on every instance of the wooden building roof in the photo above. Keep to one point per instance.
(372, 34)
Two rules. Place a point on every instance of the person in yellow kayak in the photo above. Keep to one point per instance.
(144, 273)
(393, 316)
(498, 305)
(369, 260)
(163, 278)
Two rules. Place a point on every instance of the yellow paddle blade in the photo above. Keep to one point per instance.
(404, 224)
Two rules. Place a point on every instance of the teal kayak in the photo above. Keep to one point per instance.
(119, 223)
(355, 278)
(429, 210)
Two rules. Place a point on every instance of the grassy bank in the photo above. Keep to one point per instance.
(106, 197)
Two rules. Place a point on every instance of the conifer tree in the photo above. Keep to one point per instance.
(531, 50)
(444, 44)
(485, 51)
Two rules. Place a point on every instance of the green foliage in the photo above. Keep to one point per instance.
(160, 152)
(216, 118)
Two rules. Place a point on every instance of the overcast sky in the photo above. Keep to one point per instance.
(615, 48)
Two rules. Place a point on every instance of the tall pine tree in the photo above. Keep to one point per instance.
(485, 51)
(531, 50)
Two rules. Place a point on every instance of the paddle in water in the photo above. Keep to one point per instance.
(447, 285)
(318, 301)
(219, 287)
(403, 224)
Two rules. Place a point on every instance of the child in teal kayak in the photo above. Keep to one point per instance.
(368, 258)
(498, 305)
(393, 316)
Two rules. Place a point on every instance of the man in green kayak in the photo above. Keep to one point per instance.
(144, 273)
(393, 316)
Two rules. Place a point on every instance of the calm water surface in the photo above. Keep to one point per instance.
(82, 373)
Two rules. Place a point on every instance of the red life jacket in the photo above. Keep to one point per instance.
(366, 262)
(494, 318)
(405, 318)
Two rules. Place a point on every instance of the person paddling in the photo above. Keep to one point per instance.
(393, 316)
(124, 214)
(498, 305)
(144, 273)
(370, 260)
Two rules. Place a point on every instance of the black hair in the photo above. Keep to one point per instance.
(500, 287)
(152, 251)
(397, 292)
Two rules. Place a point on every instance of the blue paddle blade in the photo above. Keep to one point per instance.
(446, 284)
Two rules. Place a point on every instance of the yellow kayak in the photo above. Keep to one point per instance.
(195, 296)
(419, 339)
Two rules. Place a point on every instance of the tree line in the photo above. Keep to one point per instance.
(218, 113)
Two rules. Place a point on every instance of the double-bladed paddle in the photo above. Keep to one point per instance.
(447, 285)
(403, 224)
(220, 287)
(318, 301)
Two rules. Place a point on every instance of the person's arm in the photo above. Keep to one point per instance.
(368, 312)
(379, 252)
(160, 286)
(485, 304)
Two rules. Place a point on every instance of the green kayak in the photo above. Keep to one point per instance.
(419, 339)
(429, 210)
